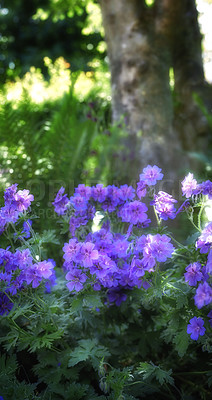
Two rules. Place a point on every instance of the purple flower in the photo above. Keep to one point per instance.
(99, 193)
(23, 200)
(164, 205)
(208, 268)
(141, 189)
(16, 284)
(137, 268)
(79, 203)
(76, 278)
(193, 274)
(195, 328)
(116, 296)
(188, 185)
(88, 254)
(154, 248)
(120, 247)
(5, 304)
(8, 214)
(23, 259)
(83, 191)
(26, 233)
(44, 269)
(51, 281)
(133, 212)
(60, 202)
(9, 194)
(203, 295)
(160, 246)
(32, 276)
(205, 240)
(71, 250)
(126, 192)
(205, 188)
(151, 175)
(103, 266)
(210, 316)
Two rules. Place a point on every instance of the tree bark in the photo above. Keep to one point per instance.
(143, 44)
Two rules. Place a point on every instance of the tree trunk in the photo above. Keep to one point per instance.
(143, 44)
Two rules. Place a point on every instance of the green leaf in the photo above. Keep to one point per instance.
(88, 349)
(181, 341)
(150, 371)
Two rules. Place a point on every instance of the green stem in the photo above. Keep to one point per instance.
(156, 215)
(200, 215)
(195, 226)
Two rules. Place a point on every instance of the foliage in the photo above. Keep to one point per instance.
(61, 342)
(47, 136)
(36, 29)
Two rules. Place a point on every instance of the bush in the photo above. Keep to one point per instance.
(127, 316)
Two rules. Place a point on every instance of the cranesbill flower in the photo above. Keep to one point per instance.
(71, 250)
(141, 189)
(103, 266)
(16, 284)
(88, 254)
(203, 295)
(161, 248)
(83, 191)
(99, 193)
(126, 193)
(8, 215)
(60, 202)
(5, 304)
(205, 188)
(205, 240)
(193, 274)
(23, 200)
(44, 269)
(116, 296)
(26, 233)
(51, 281)
(76, 278)
(133, 212)
(188, 185)
(103, 235)
(9, 194)
(120, 247)
(23, 259)
(164, 205)
(7, 260)
(210, 316)
(208, 267)
(151, 175)
(137, 268)
(79, 203)
(196, 328)
(32, 276)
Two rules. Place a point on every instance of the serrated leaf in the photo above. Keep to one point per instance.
(92, 300)
(88, 349)
(150, 371)
(181, 341)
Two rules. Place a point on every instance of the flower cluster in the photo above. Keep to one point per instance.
(19, 269)
(196, 273)
(191, 187)
(16, 202)
(106, 259)
(112, 261)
